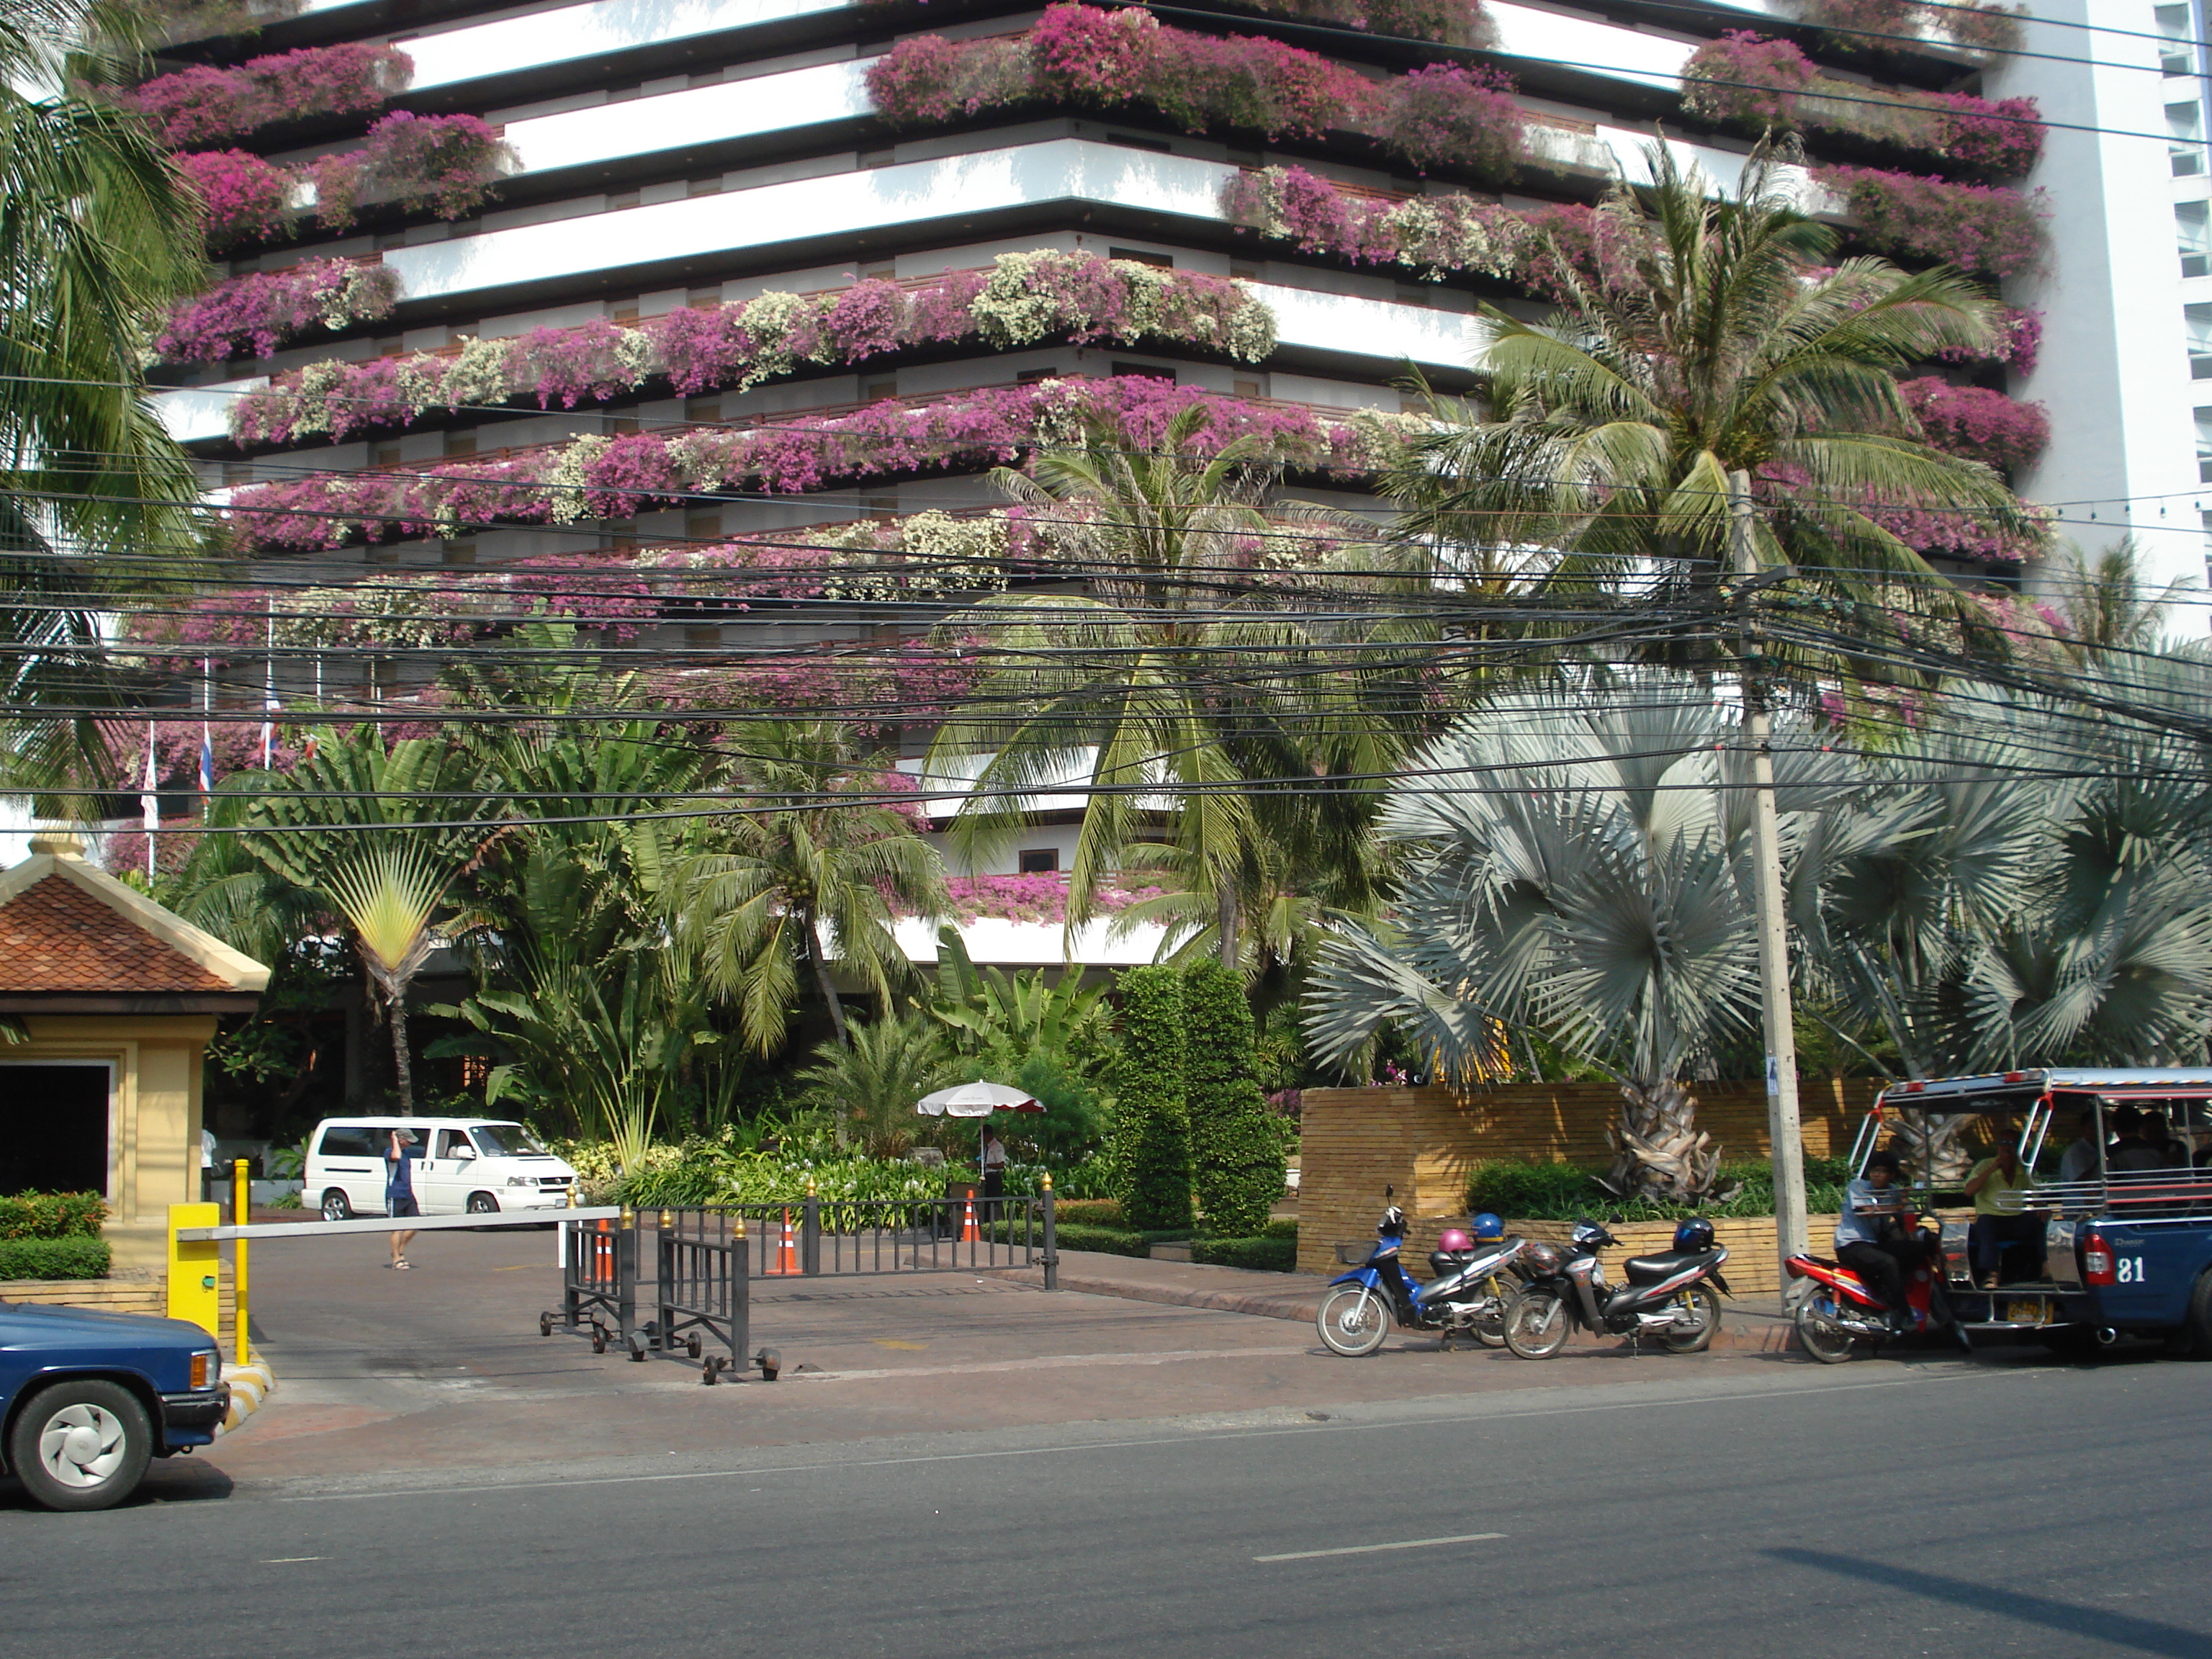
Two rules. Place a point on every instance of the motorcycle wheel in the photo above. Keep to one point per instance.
(1706, 1302)
(1536, 1324)
(1489, 1329)
(1819, 1335)
(1354, 1321)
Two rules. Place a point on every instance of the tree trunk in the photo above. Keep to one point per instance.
(403, 1066)
(821, 966)
(1658, 1150)
(1224, 925)
(1933, 1149)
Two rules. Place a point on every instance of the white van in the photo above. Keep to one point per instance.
(469, 1165)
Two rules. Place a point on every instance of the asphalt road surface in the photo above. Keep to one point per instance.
(2006, 1507)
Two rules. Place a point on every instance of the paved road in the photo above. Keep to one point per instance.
(1938, 1508)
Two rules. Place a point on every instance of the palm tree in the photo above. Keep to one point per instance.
(1177, 682)
(1575, 861)
(98, 234)
(873, 1080)
(1619, 430)
(816, 869)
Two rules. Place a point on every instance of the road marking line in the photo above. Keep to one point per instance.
(290, 1560)
(1376, 1549)
(1055, 1362)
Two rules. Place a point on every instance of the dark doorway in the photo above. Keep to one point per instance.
(53, 1128)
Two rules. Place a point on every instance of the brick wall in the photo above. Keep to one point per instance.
(1353, 1143)
(129, 1294)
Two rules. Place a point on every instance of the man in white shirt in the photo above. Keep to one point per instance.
(994, 1171)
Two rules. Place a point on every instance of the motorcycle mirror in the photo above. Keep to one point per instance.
(1389, 1191)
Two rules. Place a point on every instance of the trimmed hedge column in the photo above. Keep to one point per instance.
(1237, 1157)
(1152, 1134)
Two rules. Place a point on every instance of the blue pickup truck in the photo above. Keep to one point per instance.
(86, 1398)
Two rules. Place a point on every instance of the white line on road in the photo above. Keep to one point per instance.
(1376, 1549)
(1052, 1362)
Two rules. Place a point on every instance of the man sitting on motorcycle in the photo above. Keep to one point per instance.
(1870, 1238)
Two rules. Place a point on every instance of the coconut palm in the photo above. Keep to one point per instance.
(98, 234)
(1740, 347)
(1577, 862)
(1176, 680)
(815, 869)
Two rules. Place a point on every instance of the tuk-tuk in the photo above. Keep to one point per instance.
(2126, 1243)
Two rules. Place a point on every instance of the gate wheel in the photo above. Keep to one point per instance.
(695, 1347)
(708, 1373)
(545, 1324)
(599, 1339)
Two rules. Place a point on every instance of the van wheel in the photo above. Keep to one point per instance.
(482, 1204)
(335, 1205)
(81, 1446)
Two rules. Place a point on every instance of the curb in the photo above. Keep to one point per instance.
(250, 1388)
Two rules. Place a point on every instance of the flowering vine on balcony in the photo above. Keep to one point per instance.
(1980, 424)
(203, 105)
(1440, 116)
(602, 477)
(1752, 83)
(253, 315)
(1449, 22)
(1878, 25)
(1979, 227)
(1025, 298)
(447, 164)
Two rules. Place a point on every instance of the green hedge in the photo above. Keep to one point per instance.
(54, 1258)
(1563, 1191)
(1152, 1129)
(1107, 1241)
(51, 1215)
(1272, 1256)
(1088, 1212)
(1235, 1154)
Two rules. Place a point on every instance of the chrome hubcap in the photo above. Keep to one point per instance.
(82, 1445)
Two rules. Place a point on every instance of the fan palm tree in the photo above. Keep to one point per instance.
(1619, 430)
(815, 869)
(98, 233)
(1579, 862)
(1175, 683)
(873, 1079)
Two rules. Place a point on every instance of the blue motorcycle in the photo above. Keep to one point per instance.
(1467, 1297)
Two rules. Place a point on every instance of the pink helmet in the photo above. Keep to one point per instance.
(1454, 1238)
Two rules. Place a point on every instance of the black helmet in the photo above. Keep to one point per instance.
(1393, 1224)
(1695, 1234)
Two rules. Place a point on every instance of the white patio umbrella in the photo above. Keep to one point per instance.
(977, 1099)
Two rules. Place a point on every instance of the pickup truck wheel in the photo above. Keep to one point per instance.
(81, 1446)
(2196, 1329)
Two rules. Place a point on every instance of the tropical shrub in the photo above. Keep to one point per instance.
(1090, 57)
(51, 1215)
(1150, 1147)
(1564, 1192)
(1980, 424)
(55, 1258)
(1749, 81)
(176, 21)
(595, 477)
(1269, 1254)
(245, 199)
(1022, 299)
(203, 105)
(1860, 25)
(1452, 22)
(253, 315)
(1975, 226)
(1237, 1157)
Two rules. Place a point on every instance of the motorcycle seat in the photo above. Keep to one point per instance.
(1651, 1269)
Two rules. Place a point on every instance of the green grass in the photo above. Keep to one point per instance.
(54, 1258)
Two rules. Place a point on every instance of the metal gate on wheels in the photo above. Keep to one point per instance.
(704, 1265)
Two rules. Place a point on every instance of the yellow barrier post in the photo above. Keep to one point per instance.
(241, 1212)
(196, 1268)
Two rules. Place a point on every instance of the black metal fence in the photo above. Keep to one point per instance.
(707, 1257)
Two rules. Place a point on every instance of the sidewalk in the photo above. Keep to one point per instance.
(1756, 1324)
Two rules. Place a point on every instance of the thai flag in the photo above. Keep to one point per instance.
(207, 759)
(269, 709)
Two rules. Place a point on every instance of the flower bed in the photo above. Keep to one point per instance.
(444, 163)
(1025, 298)
(1977, 228)
(1980, 424)
(1032, 898)
(203, 105)
(598, 477)
(254, 314)
(1748, 81)
(1080, 55)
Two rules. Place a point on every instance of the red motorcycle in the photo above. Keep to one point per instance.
(1839, 1311)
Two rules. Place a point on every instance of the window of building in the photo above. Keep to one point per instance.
(2185, 129)
(1150, 371)
(2204, 446)
(2175, 54)
(1143, 256)
(1040, 860)
(2198, 321)
(2192, 230)
(1131, 140)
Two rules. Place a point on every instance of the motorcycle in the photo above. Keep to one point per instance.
(1837, 1310)
(1674, 1297)
(1464, 1299)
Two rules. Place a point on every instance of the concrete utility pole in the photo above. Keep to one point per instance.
(1782, 1122)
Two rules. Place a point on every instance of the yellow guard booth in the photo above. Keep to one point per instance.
(119, 998)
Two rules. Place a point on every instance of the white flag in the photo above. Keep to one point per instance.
(149, 802)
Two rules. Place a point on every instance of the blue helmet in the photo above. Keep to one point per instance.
(1486, 1226)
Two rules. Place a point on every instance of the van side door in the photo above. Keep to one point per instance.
(448, 1174)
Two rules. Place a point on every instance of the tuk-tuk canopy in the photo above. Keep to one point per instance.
(1974, 1095)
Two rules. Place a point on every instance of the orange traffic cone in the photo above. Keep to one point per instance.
(603, 1255)
(786, 1253)
(969, 1235)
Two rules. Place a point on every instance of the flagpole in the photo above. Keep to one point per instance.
(149, 802)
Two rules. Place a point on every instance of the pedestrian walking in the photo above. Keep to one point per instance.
(399, 1189)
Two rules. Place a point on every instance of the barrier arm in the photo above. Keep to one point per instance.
(365, 1225)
